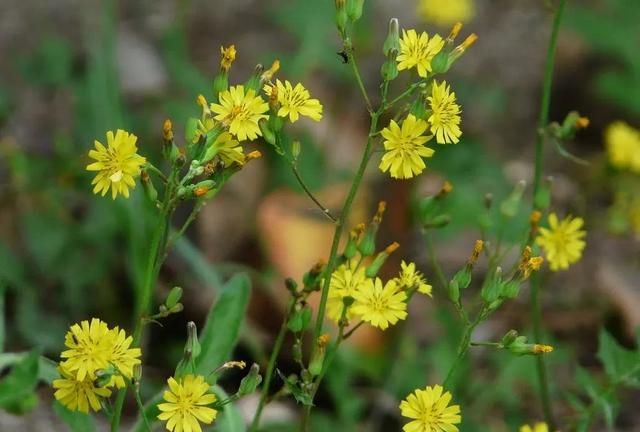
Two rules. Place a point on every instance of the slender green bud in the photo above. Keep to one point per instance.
(267, 133)
(147, 185)
(440, 62)
(300, 320)
(392, 42)
(509, 338)
(254, 82)
(173, 297)
(220, 84)
(341, 17)
(367, 245)
(295, 150)
(373, 268)
(510, 206)
(251, 381)
(351, 248)
(317, 361)
(354, 9)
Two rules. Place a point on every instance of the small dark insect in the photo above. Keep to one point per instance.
(343, 56)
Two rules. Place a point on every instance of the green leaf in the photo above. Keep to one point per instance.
(47, 371)
(620, 364)
(21, 382)
(77, 421)
(230, 419)
(221, 330)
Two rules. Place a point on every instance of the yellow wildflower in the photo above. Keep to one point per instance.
(295, 101)
(562, 242)
(380, 305)
(418, 51)
(538, 427)
(623, 146)
(227, 149)
(121, 356)
(430, 411)
(345, 281)
(117, 165)
(404, 148)
(445, 114)
(240, 112)
(227, 57)
(88, 351)
(409, 278)
(186, 404)
(78, 395)
(93, 347)
(446, 12)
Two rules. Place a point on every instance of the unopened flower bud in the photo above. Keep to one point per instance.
(373, 268)
(354, 9)
(251, 381)
(147, 185)
(392, 42)
(173, 297)
(317, 361)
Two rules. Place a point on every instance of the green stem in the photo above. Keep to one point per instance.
(324, 209)
(136, 392)
(158, 244)
(277, 347)
(463, 347)
(543, 121)
(356, 73)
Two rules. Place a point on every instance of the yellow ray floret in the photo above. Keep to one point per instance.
(430, 411)
(445, 114)
(563, 242)
(404, 148)
(380, 305)
(185, 405)
(294, 101)
(240, 111)
(117, 164)
(78, 395)
(417, 51)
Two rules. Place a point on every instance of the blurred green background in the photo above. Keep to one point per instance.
(70, 71)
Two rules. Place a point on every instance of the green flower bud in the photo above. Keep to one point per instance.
(341, 17)
(440, 62)
(147, 185)
(220, 84)
(510, 206)
(300, 320)
(354, 9)
(174, 297)
(267, 133)
(389, 69)
(509, 338)
(254, 82)
(251, 381)
(392, 42)
(373, 268)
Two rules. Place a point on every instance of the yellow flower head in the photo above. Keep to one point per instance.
(623, 146)
(446, 12)
(93, 347)
(445, 114)
(430, 411)
(117, 165)
(563, 241)
(240, 112)
(186, 404)
(227, 57)
(409, 278)
(121, 356)
(538, 427)
(418, 51)
(295, 101)
(228, 149)
(404, 148)
(345, 281)
(88, 351)
(380, 305)
(78, 395)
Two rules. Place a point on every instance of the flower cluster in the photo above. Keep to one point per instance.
(563, 242)
(186, 403)
(97, 359)
(435, 113)
(355, 291)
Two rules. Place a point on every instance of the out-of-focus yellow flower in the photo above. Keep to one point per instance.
(410, 278)
(240, 111)
(380, 305)
(295, 101)
(186, 404)
(538, 427)
(227, 57)
(446, 12)
(417, 51)
(563, 242)
(445, 114)
(117, 165)
(430, 411)
(78, 395)
(404, 148)
(623, 146)
(345, 281)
